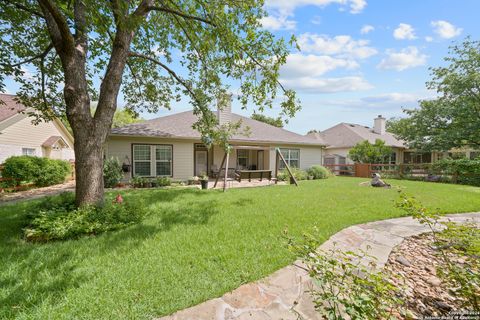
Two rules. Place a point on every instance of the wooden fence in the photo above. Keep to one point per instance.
(365, 170)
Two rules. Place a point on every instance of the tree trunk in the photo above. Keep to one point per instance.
(88, 171)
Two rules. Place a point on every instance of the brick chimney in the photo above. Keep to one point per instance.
(224, 108)
(379, 125)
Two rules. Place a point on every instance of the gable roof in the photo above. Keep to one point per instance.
(179, 126)
(10, 107)
(50, 142)
(347, 135)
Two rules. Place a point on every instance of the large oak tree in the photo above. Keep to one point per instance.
(68, 53)
(452, 120)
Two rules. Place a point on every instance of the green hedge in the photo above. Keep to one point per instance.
(299, 174)
(112, 173)
(462, 171)
(39, 171)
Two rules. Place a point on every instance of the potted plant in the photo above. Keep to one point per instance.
(204, 181)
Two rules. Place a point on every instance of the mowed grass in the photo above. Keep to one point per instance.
(193, 246)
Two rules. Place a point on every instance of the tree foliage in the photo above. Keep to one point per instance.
(453, 119)
(276, 122)
(65, 54)
(365, 152)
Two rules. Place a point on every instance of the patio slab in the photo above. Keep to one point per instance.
(285, 293)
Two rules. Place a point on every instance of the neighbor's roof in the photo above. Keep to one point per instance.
(346, 135)
(52, 140)
(179, 125)
(9, 107)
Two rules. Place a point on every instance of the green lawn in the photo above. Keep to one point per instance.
(193, 246)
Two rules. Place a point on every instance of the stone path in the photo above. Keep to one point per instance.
(284, 294)
(13, 197)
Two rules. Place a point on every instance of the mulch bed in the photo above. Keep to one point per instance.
(416, 262)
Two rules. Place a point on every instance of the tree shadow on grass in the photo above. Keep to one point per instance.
(33, 273)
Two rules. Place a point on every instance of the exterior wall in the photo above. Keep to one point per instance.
(23, 134)
(120, 148)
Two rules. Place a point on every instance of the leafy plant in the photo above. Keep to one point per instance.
(138, 182)
(37, 170)
(454, 239)
(365, 152)
(319, 172)
(57, 218)
(284, 175)
(462, 171)
(163, 181)
(112, 173)
(346, 287)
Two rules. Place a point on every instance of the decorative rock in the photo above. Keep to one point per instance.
(404, 261)
(434, 281)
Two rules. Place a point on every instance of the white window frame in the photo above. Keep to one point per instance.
(32, 152)
(153, 160)
(288, 157)
(245, 156)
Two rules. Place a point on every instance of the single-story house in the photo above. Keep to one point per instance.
(18, 136)
(344, 136)
(169, 146)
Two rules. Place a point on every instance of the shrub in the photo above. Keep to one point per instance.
(163, 181)
(37, 170)
(463, 171)
(112, 173)
(56, 218)
(455, 240)
(299, 174)
(345, 287)
(319, 172)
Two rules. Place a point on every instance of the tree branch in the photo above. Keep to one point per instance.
(180, 14)
(57, 24)
(41, 55)
(166, 68)
(24, 8)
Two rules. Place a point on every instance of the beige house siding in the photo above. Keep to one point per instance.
(14, 136)
(120, 148)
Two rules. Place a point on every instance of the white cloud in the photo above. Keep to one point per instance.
(367, 29)
(445, 29)
(342, 45)
(406, 58)
(316, 20)
(288, 6)
(383, 101)
(299, 65)
(327, 85)
(404, 32)
(278, 23)
(429, 39)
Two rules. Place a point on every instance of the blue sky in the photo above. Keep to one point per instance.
(359, 58)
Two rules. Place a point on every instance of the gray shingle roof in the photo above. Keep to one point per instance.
(179, 125)
(347, 135)
(9, 107)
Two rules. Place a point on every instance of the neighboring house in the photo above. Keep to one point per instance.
(344, 136)
(169, 146)
(18, 136)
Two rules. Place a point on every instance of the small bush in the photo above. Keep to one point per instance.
(463, 171)
(112, 173)
(163, 181)
(37, 170)
(319, 172)
(299, 174)
(56, 218)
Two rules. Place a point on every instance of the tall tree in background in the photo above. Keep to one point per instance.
(65, 54)
(276, 122)
(453, 119)
(366, 152)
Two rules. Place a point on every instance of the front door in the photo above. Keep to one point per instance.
(201, 160)
(260, 160)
